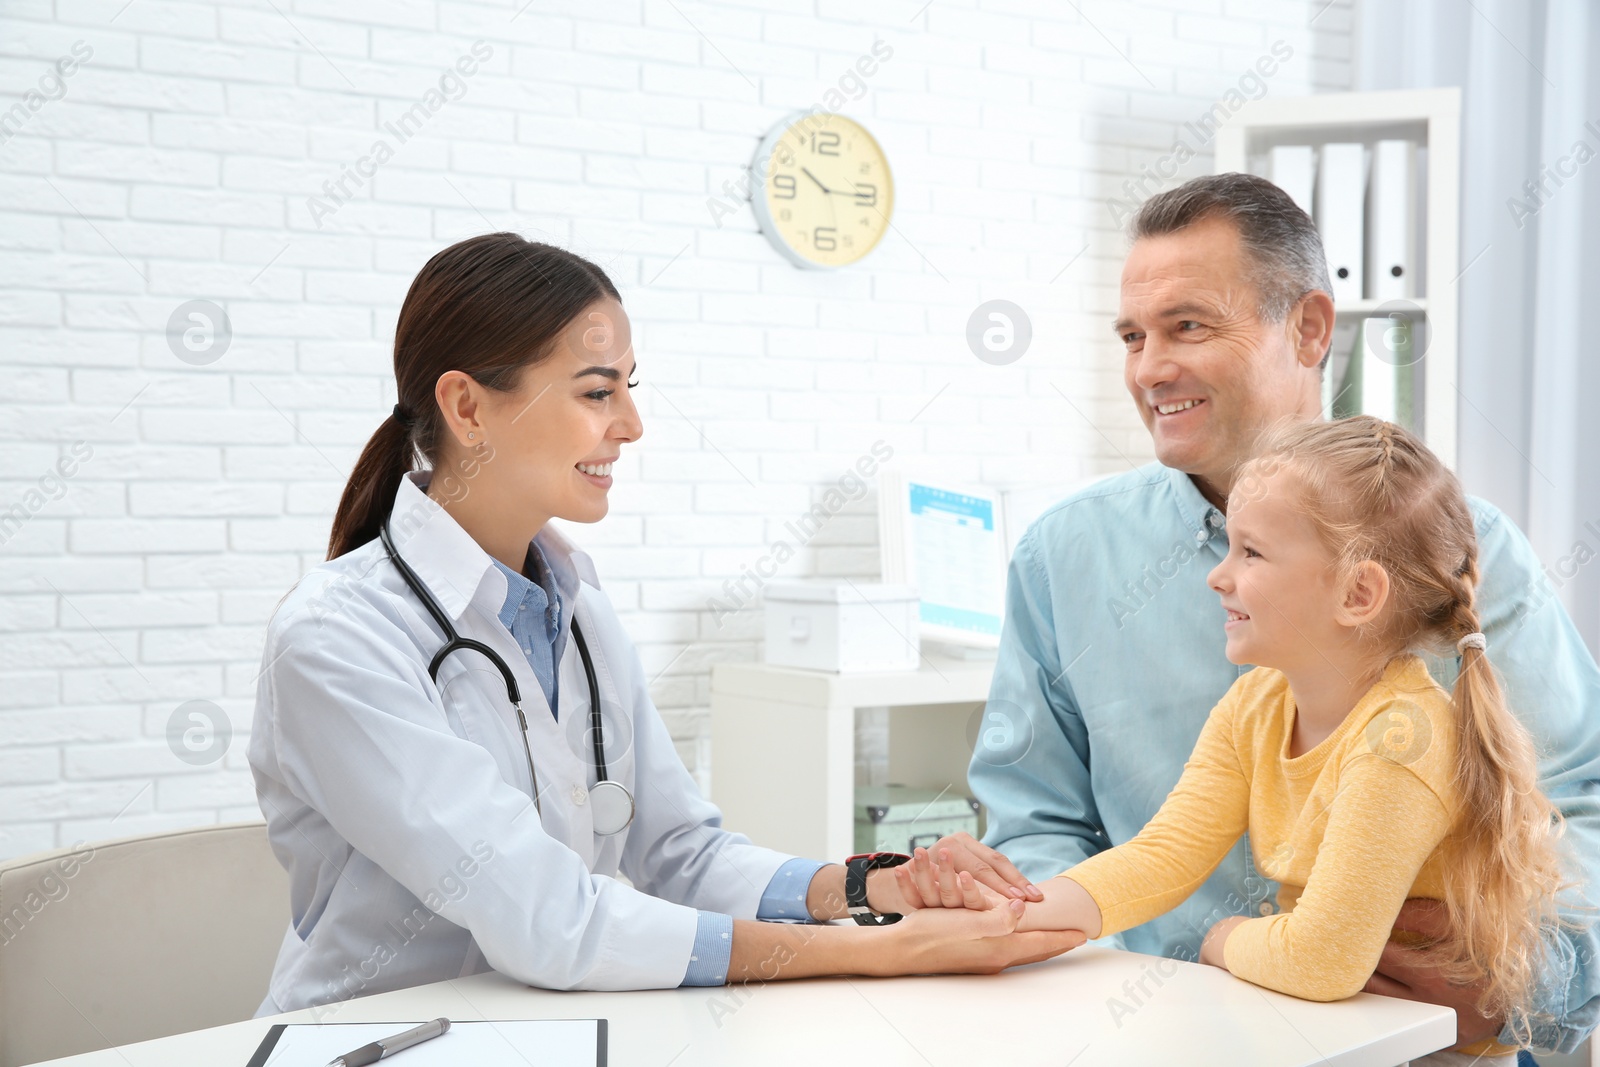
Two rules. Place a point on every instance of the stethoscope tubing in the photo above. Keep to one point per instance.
(454, 642)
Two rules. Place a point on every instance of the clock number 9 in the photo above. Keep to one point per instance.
(824, 239)
(784, 184)
(825, 143)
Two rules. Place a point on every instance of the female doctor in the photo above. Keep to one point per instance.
(454, 743)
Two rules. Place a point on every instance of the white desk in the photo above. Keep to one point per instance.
(1055, 1012)
(783, 744)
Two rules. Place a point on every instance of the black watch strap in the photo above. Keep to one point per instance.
(855, 886)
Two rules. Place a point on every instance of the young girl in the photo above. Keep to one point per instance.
(1360, 780)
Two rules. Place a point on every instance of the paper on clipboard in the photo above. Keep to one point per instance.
(546, 1042)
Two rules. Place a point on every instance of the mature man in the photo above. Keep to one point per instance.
(1112, 653)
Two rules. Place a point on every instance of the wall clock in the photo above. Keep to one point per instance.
(828, 196)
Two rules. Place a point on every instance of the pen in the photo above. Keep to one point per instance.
(377, 1050)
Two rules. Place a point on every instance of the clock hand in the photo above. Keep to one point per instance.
(813, 177)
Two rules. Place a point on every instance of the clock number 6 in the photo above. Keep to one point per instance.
(824, 239)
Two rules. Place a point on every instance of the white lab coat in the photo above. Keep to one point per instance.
(403, 811)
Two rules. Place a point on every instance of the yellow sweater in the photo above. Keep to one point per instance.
(1349, 830)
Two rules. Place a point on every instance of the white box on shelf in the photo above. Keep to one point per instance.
(842, 626)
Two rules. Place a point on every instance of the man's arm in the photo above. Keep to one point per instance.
(1030, 762)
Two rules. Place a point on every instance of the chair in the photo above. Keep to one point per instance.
(137, 938)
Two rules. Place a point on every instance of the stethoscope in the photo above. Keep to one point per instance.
(611, 803)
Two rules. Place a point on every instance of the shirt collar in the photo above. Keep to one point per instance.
(519, 591)
(454, 567)
(1200, 517)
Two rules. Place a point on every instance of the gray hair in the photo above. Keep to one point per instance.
(1282, 247)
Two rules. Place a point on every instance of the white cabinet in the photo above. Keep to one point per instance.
(783, 744)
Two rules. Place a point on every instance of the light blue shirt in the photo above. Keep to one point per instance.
(784, 900)
(1112, 658)
(532, 612)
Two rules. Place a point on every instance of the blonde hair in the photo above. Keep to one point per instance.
(1375, 492)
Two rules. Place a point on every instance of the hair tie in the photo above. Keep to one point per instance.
(1472, 640)
(402, 416)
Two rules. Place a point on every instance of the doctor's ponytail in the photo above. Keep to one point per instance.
(489, 306)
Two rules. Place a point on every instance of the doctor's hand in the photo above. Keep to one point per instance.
(962, 852)
(924, 883)
(938, 879)
(968, 941)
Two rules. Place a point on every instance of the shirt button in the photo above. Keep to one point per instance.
(579, 796)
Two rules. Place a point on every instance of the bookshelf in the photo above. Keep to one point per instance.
(1430, 118)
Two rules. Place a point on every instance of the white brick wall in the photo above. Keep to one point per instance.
(178, 164)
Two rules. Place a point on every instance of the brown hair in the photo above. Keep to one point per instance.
(490, 306)
(1375, 492)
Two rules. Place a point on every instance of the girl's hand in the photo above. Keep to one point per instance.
(1216, 938)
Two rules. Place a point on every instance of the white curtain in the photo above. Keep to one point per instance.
(1529, 71)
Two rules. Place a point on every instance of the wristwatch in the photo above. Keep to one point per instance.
(855, 886)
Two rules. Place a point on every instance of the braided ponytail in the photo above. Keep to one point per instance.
(1504, 896)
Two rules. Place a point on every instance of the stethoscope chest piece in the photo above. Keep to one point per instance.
(611, 807)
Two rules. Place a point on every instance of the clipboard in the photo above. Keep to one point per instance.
(555, 1043)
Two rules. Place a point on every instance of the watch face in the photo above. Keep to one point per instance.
(828, 194)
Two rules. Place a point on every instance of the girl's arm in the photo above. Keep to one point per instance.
(1383, 825)
(1177, 850)
(1202, 817)
(1066, 906)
